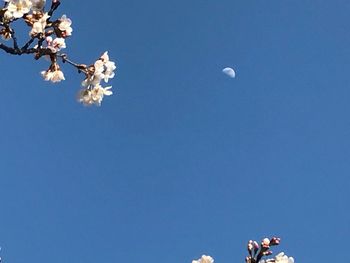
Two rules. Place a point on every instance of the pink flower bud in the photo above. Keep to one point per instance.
(265, 243)
(275, 241)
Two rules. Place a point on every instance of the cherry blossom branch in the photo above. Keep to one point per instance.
(257, 252)
(253, 249)
(48, 37)
(20, 51)
(43, 52)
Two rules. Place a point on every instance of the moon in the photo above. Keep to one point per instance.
(229, 72)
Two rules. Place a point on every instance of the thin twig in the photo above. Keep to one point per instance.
(7, 49)
(54, 6)
(14, 38)
(30, 41)
(80, 67)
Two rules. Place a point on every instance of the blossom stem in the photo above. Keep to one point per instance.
(54, 6)
(14, 38)
(30, 41)
(80, 67)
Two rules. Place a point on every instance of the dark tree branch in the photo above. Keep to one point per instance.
(14, 38)
(80, 67)
(54, 5)
(27, 45)
(7, 49)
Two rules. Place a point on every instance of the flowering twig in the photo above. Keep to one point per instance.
(50, 36)
(80, 67)
(257, 252)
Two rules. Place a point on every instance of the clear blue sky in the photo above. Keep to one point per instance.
(183, 160)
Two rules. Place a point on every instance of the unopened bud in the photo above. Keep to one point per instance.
(48, 39)
(265, 243)
(267, 253)
(250, 246)
(275, 241)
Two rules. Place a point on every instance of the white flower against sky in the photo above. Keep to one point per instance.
(39, 25)
(16, 9)
(109, 67)
(103, 69)
(94, 96)
(65, 26)
(204, 259)
(99, 68)
(53, 74)
(84, 96)
(104, 57)
(282, 258)
(55, 44)
(91, 80)
(109, 72)
(58, 43)
(98, 92)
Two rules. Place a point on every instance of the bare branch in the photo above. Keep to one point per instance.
(54, 5)
(30, 41)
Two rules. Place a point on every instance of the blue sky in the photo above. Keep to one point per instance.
(183, 160)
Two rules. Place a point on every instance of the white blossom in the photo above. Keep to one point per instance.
(53, 74)
(84, 96)
(17, 8)
(204, 259)
(55, 44)
(282, 258)
(65, 26)
(59, 43)
(91, 80)
(109, 67)
(99, 69)
(39, 26)
(103, 69)
(94, 96)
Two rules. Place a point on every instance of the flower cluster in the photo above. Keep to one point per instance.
(17, 9)
(47, 38)
(93, 92)
(258, 251)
